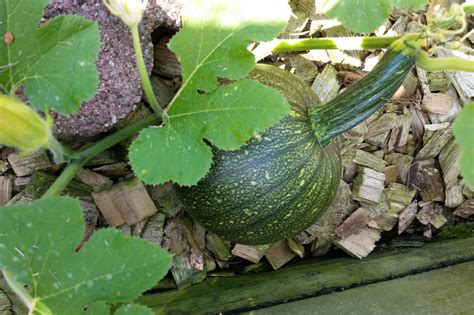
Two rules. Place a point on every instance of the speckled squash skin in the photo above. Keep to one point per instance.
(275, 185)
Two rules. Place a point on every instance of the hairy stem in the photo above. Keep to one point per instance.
(444, 64)
(80, 158)
(344, 43)
(142, 70)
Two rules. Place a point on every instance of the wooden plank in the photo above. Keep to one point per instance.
(247, 292)
(425, 293)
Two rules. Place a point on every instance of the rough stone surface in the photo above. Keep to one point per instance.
(120, 88)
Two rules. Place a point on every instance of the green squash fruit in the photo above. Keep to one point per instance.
(284, 179)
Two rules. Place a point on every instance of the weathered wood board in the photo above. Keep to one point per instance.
(442, 291)
(315, 278)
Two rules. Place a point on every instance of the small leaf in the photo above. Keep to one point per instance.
(213, 44)
(364, 16)
(464, 131)
(54, 63)
(38, 247)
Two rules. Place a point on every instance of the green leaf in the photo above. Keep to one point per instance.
(54, 63)
(364, 16)
(464, 131)
(134, 309)
(213, 44)
(38, 247)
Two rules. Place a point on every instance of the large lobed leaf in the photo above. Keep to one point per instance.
(213, 44)
(55, 62)
(364, 16)
(464, 131)
(38, 247)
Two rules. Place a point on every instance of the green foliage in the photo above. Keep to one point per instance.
(464, 131)
(364, 16)
(460, 230)
(55, 63)
(134, 309)
(211, 45)
(38, 248)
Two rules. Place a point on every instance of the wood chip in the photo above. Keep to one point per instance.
(97, 181)
(369, 160)
(126, 202)
(326, 85)
(279, 254)
(454, 196)
(436, 143)
(5, 190)
(466, 210)
(352, 225)
(303, 68)
(430, 184)
(361, 244)
(250, 252)
(188, 268)
(438, 103)
(449, 160)
(166, 63)
(219, 247)
(368, 185)
(154, 228)
(407, 216)
(23, 166)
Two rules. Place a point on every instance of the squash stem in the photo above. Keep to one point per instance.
(444, 64)
(142, 70)
(344, 43)
(80, 158)
(362, 99)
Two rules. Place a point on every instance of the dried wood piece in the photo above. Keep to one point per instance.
(398, 196)
(219, 247)
(23, 166)
(398, 27)
(166, 63)
(391, 174)
(379, 140)
(126, 202)
(437, 142)
(188, 268)
(407, 216)
(296, 25)
(165, 195)
(385, 123)
(455, 108)
(425, 215)
(403, 164)
(154, 228)
(438, 81)
(454, 196)
(5, 304)
(408, 88)
(3, 166)
(352, 225)
(296, 247)
(417, 123)
(368, 185)
(22, 181)
(97, 181)
(449, 160)
(361, 244)
(369, 160)
(437, 103)
(403, 136)
(5, 190)
(279, 254)
(114, 170)
(304, 68)
(174, 240)
(163, 91)
(466, 210)
(251, 253)
(430, 184)
(326, 85)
